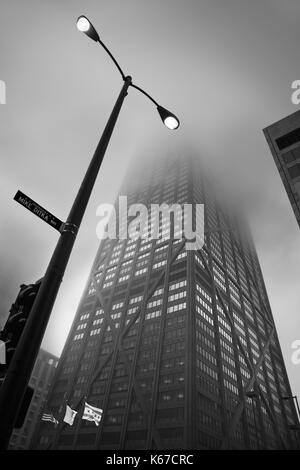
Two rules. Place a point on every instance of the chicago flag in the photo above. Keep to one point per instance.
(91, 413)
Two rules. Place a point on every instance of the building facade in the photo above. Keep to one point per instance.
(40, 380)
(283, 138)
(178, 347)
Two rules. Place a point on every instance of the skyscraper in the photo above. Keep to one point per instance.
(283, 138)
(178, 347)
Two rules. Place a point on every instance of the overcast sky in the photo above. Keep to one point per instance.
(224, 66)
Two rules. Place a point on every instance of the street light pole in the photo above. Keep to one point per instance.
(17, 377)
(18, 374)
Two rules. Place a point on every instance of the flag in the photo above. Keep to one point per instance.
(69, 415)
(49, 417)
(2, 352)
(91, 413)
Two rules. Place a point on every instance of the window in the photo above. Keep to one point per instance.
(294, 171)
(219, 276)
(288, 139)
(204, 304)
(203, 315)
(141, 271)
(177, 285)
(76, 337)
(159, 264)
(95, 332)
(117, 305)
(176, 307)
(204, 294)
(206, 369)
(135, 300)
(107, 284)
(154, 303)
(85, 316)
(288, 157)
(132, 310)
(154, 314)
(178, 295)
(181, 255)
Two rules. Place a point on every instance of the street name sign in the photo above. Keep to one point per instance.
(38, 210)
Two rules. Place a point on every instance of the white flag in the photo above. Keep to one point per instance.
(91, 413)
(69, 415)
(2, 352)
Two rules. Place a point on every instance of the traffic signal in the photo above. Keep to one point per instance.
(14, 326)
(11, 335)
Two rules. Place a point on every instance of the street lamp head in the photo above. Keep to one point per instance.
(85, 26)
(169, 119)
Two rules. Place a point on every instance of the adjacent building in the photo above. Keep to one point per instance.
(178, 347)
(283, 138)
(40, 380)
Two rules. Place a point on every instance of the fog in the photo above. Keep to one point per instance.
(225, 67)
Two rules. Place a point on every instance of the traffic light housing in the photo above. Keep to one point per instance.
(15, 323)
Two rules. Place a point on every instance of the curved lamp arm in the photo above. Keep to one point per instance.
(169, 119)
(144, 93)
(113, 59)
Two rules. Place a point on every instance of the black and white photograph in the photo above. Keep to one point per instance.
(150, 229)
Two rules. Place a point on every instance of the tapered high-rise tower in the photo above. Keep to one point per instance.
(178, 347)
